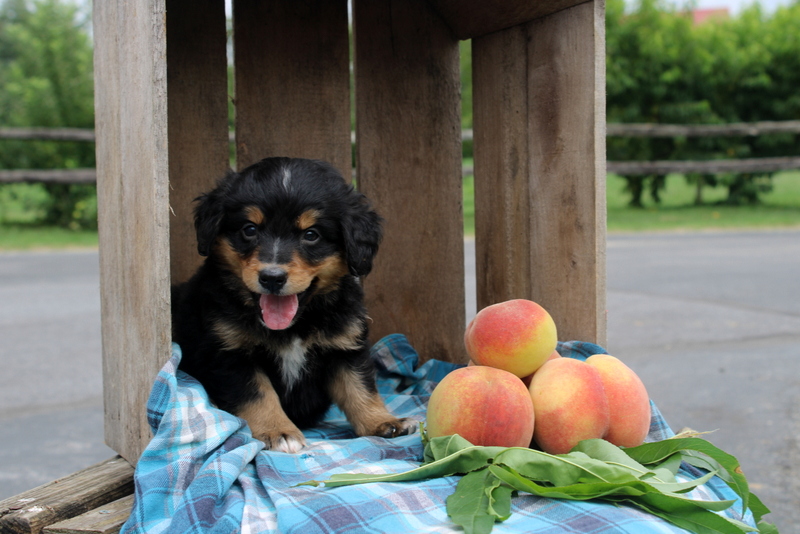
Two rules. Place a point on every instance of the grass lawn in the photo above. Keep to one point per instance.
(779, 209)
(677, 212)
(24, 237)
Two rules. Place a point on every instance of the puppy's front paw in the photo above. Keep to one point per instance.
(287, 439)
(396, 427)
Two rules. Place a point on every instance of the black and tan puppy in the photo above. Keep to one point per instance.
(273, 324)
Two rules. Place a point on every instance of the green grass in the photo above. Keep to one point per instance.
(780, 208)
(677, 212)
(25, 237)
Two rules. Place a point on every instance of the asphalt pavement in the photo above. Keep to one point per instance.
(710, 321)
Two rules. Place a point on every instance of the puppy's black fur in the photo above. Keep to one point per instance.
(273, 323)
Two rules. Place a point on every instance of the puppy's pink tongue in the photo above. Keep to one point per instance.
(278, 311)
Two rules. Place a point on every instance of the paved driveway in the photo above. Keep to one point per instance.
(710, 321)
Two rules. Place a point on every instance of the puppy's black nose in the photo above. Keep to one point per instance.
(273, 279)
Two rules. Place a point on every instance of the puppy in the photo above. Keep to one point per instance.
(273, 323)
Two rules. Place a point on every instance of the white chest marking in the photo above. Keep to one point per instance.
(293, 359)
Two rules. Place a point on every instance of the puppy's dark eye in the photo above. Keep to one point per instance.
(310, 236)
(249, 231)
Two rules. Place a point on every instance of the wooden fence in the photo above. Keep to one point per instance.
(749, 165)
(754, 165)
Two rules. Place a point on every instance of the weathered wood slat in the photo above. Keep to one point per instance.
(474, 18)
(503, 204)
(409, 164)
(31, 511)
(106, 519)
(539, 117)
(566, 77)
(292, 81)
(199, 152)
(49, 176)
(133, 211)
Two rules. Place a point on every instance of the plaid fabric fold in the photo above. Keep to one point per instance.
(204, 472)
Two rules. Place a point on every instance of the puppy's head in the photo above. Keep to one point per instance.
(288, 229)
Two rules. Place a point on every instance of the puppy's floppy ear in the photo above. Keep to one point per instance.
(208, 216)
(362, 235)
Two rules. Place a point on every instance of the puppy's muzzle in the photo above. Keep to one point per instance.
(272, 279)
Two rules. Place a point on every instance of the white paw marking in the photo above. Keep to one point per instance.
(289, 444)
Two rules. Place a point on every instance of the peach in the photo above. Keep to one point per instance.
(527, 379)
(628, 401)
(484, 405)
(516, 336)
(570, 405)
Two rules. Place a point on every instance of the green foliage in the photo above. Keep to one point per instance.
(662, 68)
(46, 73)
(643, 476)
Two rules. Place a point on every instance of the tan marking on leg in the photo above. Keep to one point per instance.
(268, 422)
(365, 409)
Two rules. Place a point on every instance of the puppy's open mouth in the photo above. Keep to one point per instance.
(278, 311)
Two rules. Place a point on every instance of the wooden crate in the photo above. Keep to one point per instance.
(161, 103)
(539, 126)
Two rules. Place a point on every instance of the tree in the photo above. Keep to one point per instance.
(662, 68)
(46, 73)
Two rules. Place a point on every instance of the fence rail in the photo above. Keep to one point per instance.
(752, 165)
(746, 129)
(49, 176)
(714, 166)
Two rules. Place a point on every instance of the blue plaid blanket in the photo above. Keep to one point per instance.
(204, 472)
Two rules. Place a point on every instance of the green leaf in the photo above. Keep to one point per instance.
(562, 469)
(601, 449)
(596, 490)
(726, 465)
(576, 492)
(595, 469)
(758, 508)
(450, 460)
(469, 506)
(499, 499)
(672, 464)
(442, 447)
(767, 528)
(691, 515)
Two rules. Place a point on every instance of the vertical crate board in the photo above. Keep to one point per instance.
(539, 117)
(133, 208)
(147, 163)
(409, 164)
(292, 81)
(199, 153)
